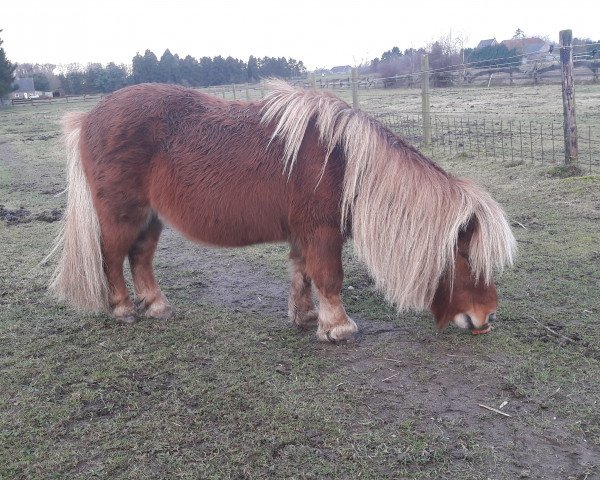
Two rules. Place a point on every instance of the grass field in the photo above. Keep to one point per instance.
(229, 389)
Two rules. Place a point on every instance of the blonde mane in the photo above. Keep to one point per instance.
(406, 212)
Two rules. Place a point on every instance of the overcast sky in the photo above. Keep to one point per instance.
(322, 33)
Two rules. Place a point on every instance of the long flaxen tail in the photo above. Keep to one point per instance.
(79, 278)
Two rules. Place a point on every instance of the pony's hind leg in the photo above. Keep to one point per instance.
(301, 308)
(121, 232)
(324, 266)
(116, 241)
(149, 298)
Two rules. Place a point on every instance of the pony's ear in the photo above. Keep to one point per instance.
(465, 235)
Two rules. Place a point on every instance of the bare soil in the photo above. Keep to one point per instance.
(22, 215)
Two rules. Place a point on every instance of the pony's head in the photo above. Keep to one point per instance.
(461, 298)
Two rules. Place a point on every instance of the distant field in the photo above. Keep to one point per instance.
(228, 389)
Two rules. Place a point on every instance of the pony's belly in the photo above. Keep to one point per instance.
(229, 230)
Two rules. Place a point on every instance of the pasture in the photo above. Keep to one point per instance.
(229, 389)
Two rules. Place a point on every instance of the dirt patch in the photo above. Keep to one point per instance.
(49, 216)
(22, 215)
(442, 392)
(436, 384)
(218, 276)
(12, 217)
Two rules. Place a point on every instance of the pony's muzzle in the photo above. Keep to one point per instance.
(476, 324)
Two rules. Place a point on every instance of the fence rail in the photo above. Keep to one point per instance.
(19, 102)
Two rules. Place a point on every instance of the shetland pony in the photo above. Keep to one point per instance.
(301, 167)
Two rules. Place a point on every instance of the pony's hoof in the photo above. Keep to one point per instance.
(124, 314)
(157, 307)
(305, 320)
(160, 311)
(330, 338)
(338, 334)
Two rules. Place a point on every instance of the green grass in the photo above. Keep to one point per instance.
(220, 392)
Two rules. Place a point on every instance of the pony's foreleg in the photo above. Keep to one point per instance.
(324, 266)
(301, 308)
(149, 298)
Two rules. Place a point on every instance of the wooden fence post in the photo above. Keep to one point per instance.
(355, 88)
(568, 94)
(425, 100)
(313, 81)
(234, 92)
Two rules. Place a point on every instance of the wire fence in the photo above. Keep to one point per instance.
(486, 78)
(513, 141)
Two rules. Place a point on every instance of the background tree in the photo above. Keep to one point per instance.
(205, 72)
(169, 68)
(280, 67)
(390, 55)
(189, 70)
(6, 72)
(296, 67)
(41, 82)
(105, 79)
(494, 57)
(519, 34)
(252, 69)
(93, 78)
(393, 62)
(145, 68)
(236, 70)
(73, 81)
(218, 73)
